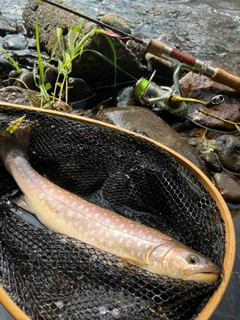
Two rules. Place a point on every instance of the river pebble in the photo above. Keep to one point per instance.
(14, 42)
(228, 185)
(228, 151)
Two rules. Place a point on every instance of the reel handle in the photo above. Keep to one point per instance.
(216, 74)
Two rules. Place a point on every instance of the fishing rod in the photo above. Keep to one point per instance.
(160, 49)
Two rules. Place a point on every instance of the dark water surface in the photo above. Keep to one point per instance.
(208, 29)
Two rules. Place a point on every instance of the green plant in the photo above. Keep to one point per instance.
(75, 47)
(69, 50)
(208, 145)
(14, 125)
(64, 65)
(39, 78)
(11, 59)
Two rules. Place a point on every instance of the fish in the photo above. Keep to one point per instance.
(69, 214)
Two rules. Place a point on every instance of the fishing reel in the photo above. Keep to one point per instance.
(160, 98)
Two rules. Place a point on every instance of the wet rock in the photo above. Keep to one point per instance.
(7, 25)
(15, 42)
(50, 75)
(28, 58)
(144, 121)
(228, 111)
(208, 157)
(5, 67)
(228, 151)
(139, 50)
(30, 80)
(211, 162)
(13, 75)
(17, 95)
(125, 97)
(115, 21)
(203, 88)
(228, 185)
(89, 66)
(26, 97)
(79, 89)
(95, 71)
(25, 80)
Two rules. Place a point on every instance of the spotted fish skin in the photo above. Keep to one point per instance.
(69, 214)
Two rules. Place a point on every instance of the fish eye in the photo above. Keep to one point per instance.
(193, 259)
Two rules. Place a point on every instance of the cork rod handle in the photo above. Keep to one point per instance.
(158, 48)
(227, 78)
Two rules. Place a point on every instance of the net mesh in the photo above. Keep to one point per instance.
(52, 276)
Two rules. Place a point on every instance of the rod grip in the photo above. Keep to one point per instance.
(157, 48)
(226, 78)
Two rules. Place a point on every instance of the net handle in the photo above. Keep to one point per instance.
(11, 307)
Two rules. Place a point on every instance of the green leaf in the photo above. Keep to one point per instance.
(48, 86)
(60, 63)
(11, 59)
(59, 34)
(76, 29)
(15, 125)
(40, 63)
(71, 43)
(109, 40)
(79, 46)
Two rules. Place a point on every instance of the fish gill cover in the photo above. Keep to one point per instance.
(50, 275)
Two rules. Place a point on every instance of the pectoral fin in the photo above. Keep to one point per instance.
(22, 202)
(27, 213)
(136, 262)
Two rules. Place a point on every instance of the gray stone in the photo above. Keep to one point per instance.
(203, 88)
(228, 151)
(208, 157)
(14, 42)
(17, 95)
(7, 25)
(26, 80)
(78, 90)
(228, 186)
(115, 21)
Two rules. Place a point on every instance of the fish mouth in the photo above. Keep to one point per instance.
(206, 276)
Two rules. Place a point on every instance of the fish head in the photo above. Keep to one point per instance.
(176, 260)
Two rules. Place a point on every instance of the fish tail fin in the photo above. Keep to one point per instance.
(14, 143)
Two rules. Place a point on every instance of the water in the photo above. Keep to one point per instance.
(208, 29)
(12, 8)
